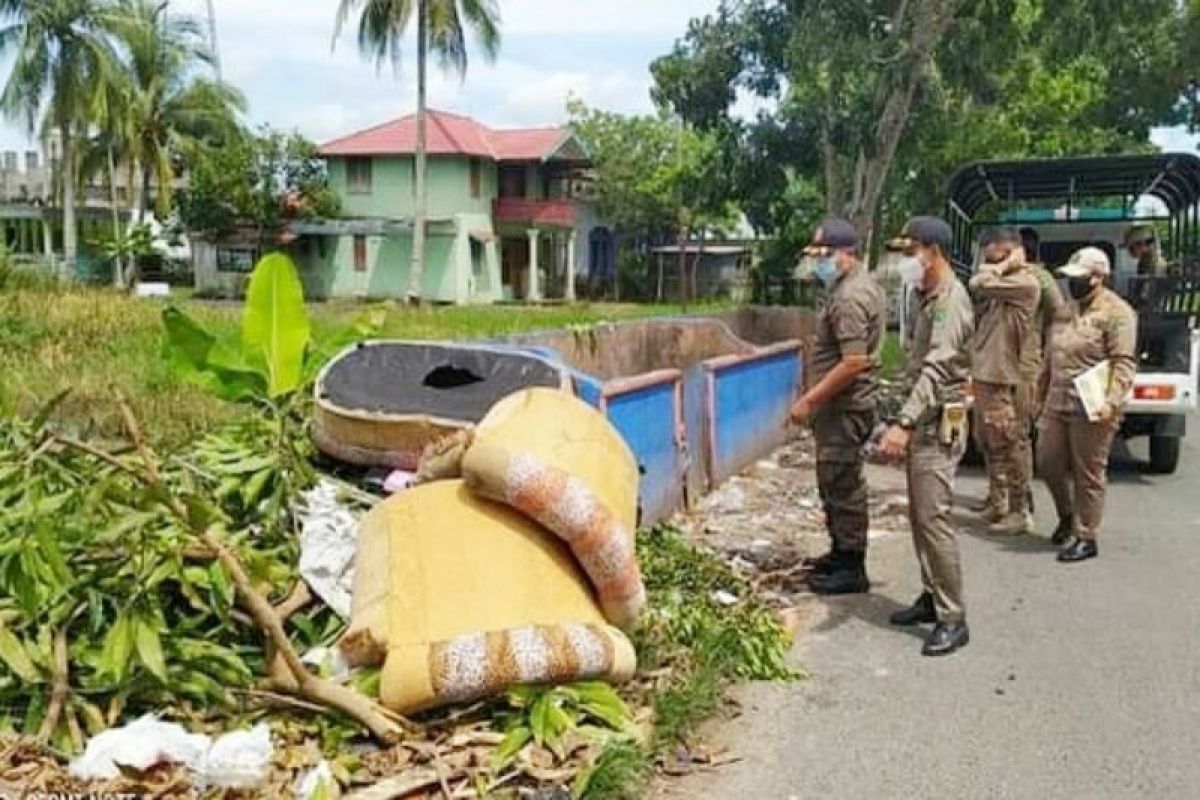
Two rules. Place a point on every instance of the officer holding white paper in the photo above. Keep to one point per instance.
(1075, 435)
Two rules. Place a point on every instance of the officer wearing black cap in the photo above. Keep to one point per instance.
(841, 402)
(930, 433)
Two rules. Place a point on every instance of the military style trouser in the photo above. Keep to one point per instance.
(931, 468)
(1028, 411)
(1073, 460)
(1005, 437)
(840, 437)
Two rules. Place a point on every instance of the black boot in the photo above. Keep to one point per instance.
(1066, 526)
(946, 638)
(848, 576)
(823, 565)
(1078, 550)
(922, 611)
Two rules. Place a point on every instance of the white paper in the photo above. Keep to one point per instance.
(310, 784)
(236, 760)
(1092, 387)
(139, 745)
(328, 541)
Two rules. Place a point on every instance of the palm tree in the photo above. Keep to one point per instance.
(60, 57)
(440, 28)
(165, 110)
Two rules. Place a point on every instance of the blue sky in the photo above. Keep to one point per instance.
(279, 53)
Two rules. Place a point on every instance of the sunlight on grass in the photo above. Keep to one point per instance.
(93, 342)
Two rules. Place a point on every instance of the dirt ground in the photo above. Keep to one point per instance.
(768, 519)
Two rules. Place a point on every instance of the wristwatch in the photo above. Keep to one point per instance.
(905, 422)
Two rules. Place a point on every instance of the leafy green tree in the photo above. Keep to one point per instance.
(165, 108)
(61, 59)
(876, 103)
(845, 74)
(260, 180)
(655, 176)
(441, 27)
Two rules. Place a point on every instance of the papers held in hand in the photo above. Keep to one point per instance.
(1092, 387)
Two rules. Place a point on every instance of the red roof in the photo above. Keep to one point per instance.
(450, 134)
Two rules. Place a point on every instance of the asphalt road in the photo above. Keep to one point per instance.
(1081, 681)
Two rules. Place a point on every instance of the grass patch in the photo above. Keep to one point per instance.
(698, 646)
(56, 337)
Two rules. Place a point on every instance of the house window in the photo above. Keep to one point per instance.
(476, 178)
(512, 182)
(360, 254)
(358, 175)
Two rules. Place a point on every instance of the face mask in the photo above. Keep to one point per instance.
(826, 271)
(1080, 287)
(911, 270)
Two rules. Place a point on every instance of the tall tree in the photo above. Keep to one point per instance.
(654, 177)
(875, 102)
(61, 58)
(845, 71)
(441, 28)
(166, 107)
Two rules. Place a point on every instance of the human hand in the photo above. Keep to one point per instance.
(801, 412)
(1015, 260)
(1108, 412)
(894, 444)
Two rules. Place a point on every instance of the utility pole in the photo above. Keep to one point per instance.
(212, 37)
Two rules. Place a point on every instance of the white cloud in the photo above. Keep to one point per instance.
(280, 53)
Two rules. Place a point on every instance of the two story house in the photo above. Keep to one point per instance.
(508, 217)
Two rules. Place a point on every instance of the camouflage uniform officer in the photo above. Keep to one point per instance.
(1007, 293)
(841, 402)
(1073, 450)
(1142, 243)
(931, 431)
(1051, 310)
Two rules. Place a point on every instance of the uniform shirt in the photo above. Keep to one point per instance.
(1105, 329)
(1051, 308)
(937, 349)
(851, 324)
(1008, 303)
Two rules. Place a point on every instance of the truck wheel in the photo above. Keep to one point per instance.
(1164, 454)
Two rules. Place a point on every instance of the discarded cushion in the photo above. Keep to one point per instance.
(380, 403)
(461, 598)
(560, 462)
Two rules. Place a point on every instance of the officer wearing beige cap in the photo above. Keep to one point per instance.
(1073, 446)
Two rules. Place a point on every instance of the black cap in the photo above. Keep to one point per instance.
(835, 233)
(929, 231)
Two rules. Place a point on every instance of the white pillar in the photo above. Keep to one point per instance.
(534, 292)
(571, 266)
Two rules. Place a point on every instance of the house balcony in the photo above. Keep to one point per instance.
(557, 213)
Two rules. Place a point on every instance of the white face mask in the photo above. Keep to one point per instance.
(911, 270)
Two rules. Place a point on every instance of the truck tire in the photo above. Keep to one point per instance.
(1164, 454)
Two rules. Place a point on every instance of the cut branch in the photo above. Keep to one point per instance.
(383, 724)
(62, 685)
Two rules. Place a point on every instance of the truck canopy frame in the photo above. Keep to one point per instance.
(979, 191)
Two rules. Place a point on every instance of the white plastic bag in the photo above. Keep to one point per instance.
(328, 539)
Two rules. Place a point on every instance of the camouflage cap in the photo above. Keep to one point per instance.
(1139, 234)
